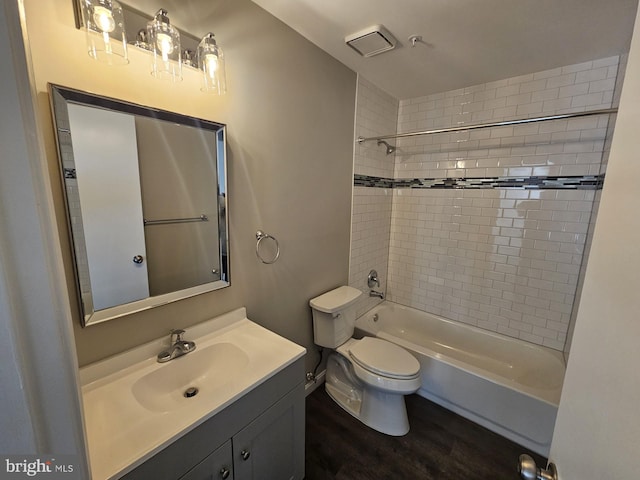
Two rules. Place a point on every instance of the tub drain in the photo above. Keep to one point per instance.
(190, 392)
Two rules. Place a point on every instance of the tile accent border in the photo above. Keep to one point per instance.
(566, 182)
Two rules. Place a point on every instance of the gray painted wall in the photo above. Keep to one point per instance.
(41, 404)
(289, 112)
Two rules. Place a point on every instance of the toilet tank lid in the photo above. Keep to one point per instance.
(335, 300)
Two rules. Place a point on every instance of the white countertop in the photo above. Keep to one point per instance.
(122, 433)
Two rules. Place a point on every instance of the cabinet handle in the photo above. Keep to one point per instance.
(225, 472)
(245, 454)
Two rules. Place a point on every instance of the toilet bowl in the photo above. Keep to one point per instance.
(367, 377)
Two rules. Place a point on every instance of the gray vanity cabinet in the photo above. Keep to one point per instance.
(218, 465)
(269, 448)
(258, 437)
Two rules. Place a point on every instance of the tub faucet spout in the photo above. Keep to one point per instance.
(374, 293)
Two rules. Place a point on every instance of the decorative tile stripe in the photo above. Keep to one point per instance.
(369, 181)
(573, 182)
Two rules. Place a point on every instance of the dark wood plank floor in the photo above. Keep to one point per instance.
(440, 446)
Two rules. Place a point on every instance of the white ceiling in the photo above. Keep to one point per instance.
(467, 42)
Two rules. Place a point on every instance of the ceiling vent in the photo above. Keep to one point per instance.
(371, 41)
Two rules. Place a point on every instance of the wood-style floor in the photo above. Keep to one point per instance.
(440, 446)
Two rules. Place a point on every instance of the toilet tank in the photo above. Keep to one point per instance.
(333, 320)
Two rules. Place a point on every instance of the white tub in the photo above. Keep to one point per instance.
(507, 385)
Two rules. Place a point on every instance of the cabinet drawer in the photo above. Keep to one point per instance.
(217, 466)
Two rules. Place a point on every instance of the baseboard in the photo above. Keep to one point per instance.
(313, 384)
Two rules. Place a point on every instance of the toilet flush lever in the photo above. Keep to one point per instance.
(372, 279)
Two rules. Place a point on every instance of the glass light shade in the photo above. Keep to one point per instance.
(105, 32)
(164, 41)
(211, 62)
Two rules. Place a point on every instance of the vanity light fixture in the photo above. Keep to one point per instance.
(104, 24)
(105, 33)
(211, 62)
(164, 40)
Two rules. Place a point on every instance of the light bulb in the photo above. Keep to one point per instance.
(103, 18)
(165, 44)
(211, 62)
(107, 43)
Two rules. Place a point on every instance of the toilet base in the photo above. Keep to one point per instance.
(383, 411)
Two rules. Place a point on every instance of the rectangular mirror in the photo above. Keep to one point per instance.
(146, 200)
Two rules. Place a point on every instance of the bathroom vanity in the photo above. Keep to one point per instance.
(245, 420)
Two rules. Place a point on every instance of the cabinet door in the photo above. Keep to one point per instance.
(217, 466)
(272, 446)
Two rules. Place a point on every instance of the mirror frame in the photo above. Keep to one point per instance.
(60, 97)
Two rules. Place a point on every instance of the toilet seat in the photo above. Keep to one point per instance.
(382, 365)
(384, 358)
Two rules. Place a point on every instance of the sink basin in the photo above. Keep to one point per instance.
(201, 371)
(128, 398)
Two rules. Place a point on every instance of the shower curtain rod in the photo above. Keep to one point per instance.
(494, 124)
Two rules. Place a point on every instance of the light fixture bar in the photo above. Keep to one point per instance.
(135, 20)
(171, 48)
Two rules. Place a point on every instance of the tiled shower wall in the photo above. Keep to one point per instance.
(376, 114)
(504, 259)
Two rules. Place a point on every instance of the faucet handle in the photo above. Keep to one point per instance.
(178, 333)
(372, 279)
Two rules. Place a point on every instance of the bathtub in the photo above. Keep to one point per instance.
(506, 385)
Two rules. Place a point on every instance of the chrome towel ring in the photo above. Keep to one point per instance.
(260, 236)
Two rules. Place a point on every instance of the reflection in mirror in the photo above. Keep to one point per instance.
(146, 203)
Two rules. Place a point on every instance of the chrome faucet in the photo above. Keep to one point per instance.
(177, 348)
(372, 279)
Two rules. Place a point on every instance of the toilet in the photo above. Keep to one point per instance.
(368, 377)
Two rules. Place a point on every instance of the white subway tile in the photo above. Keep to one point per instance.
(577, 67)
(561, 80)
(605, 85)
(573, 90)
(609, 61)
(477, 256)
(535, 85)
(507, 112)
(528, 109)
(592, 75)
(548, 73)
(587, 100)
(556, 105)
(543, 95)
(508, 90)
